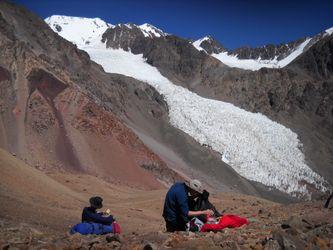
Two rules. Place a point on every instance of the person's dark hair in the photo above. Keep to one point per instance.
(205, 195)
(96, 202)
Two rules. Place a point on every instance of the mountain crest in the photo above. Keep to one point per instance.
(92, 31)
(268, 56)
(79, 30)
(209, 45)
(151, 31)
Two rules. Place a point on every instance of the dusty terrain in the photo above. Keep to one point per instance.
(38, 209)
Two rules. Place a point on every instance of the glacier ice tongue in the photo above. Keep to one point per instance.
(256, 147)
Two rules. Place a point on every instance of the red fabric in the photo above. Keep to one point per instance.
(227, 220)
(116, 228)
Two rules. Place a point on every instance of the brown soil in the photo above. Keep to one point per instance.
(38, 209)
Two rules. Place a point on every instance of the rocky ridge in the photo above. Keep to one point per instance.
(266, 52)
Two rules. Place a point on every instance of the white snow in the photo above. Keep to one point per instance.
(293, 55)
(149, 30)
(128, 25)
(197, 43)
(329, 31)
(251, 64)
(256, 147)
(78, 30)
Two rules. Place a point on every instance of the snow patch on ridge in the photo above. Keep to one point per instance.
(257, 148)
(197, 43)
(251, 64)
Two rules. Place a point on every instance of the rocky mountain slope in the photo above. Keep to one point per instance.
(53, 90)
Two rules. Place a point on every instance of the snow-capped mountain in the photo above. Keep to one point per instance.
(83, 31)
(256, 147)
(269, 56)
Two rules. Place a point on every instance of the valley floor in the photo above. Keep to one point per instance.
(37, 210)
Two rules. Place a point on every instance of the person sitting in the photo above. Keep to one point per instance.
(176, 210)
(89, 214)
(94, 222)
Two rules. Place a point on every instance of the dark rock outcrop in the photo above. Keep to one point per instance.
(123, 36)
(317, 61)
(267, 52)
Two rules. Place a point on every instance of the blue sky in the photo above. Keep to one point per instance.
(234, 23)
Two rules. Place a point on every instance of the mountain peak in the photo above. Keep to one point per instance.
(67, 20)
(78, 30)
(329, 31)
(209, 45)
(198, 42)
(149, 30)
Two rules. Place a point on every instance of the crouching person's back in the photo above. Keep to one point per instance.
(176, 210)
(94, 222)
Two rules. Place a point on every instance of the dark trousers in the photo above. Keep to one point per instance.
(172, 227)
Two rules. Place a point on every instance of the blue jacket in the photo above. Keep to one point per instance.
(89, 214)
(176, 204)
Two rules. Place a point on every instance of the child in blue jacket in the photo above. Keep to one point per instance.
(94, 222)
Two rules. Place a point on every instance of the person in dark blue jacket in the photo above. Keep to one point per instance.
(94, 222)
(89, 214)
(176, 209)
